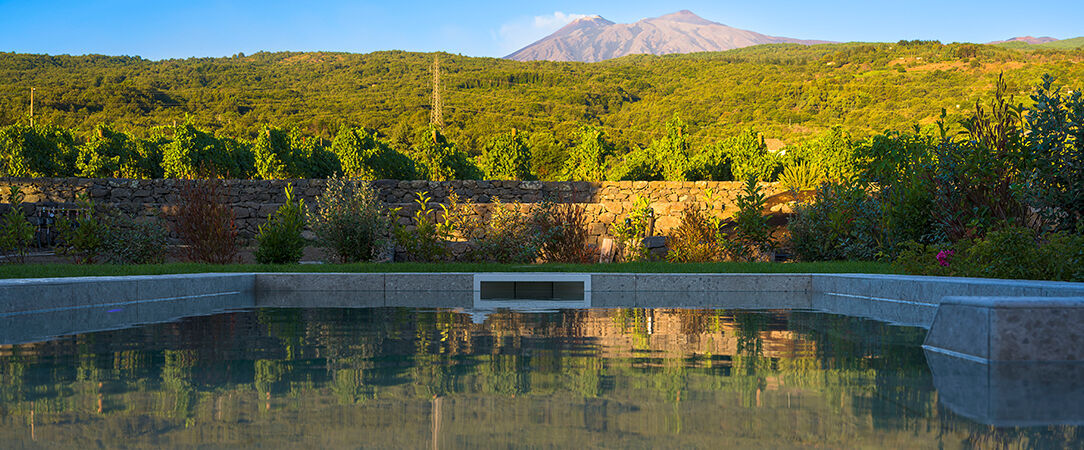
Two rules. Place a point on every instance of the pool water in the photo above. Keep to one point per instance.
(425, 378)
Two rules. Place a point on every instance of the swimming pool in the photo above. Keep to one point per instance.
(339, 368)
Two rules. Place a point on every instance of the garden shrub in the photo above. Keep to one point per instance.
(194, 153)
(279, 239)
(566, 228)
(37, 151)
(128, 241)
(751, 224)
(1007, 252)
(509, 235)
(841, 223)
(440, 160)
(1054, 181)
(16, 231)
(205, 223)
(975, 179)
(801, 176)
(349, 221)
(82, 237)
(695, 239)
(629, 233)
(426, 240)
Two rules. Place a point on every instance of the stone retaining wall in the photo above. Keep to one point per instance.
(254, 200)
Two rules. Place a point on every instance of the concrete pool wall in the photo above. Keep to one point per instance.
(55, 303)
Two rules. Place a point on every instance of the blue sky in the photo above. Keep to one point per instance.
(179, 29)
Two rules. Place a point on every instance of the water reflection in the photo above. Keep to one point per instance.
(403, 377)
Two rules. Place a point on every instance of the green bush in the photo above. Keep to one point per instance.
(349, 221)
(507, 157)
(509, 234)
(363, 156)
(440, 160)
(425, 240)
(82, 237)
(279, 239)
(1054, 181)
(16, 231)
(1008, 252)
(739, 157)
(37, 151)
(841, 223)
(587, 160)
(128, 241)
(751, 223)
(629, 233)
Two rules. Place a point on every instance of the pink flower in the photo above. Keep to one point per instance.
(943, 257)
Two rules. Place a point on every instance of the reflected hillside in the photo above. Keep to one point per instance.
(408, 378)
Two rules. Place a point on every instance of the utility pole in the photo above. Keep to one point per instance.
(436, 116)
(32, 107)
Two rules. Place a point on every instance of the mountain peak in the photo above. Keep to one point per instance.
(1027, 40)
(590, 39)
(684, 16)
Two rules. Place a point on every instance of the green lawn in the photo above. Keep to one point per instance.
(72, 270)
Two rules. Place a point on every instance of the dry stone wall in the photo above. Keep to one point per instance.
(254, 200)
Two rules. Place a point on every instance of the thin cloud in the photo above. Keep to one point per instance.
(519, 33)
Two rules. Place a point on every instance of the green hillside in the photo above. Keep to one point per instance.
(786, 91)
(788, 94)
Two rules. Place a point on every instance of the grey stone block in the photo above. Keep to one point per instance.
(428, 282)
(613, 282)
(1041, 333)
(961, 328)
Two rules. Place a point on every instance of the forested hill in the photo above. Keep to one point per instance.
(785, 91)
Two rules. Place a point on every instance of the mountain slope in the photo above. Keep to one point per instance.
(594, 39)
(1025, 40)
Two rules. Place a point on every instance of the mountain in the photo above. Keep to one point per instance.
(1043, 43)
(593, 39)
(1026, 39)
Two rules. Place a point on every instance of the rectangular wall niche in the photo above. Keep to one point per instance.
(531, 290)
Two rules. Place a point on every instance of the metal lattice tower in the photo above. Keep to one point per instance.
(436, 116)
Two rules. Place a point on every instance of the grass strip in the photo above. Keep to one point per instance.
(73, 270)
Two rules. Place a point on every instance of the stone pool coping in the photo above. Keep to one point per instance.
(953, 307)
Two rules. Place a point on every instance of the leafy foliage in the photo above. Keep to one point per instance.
(37, 151)
(510, 234)
(82, 237)
(565, 226)
(425, 241)
(194, 153)
(440, 160)
(205, 223)
(841, 223)
(1055, 176)
(128, 241)
(587, 160)
(16, 231)
(364, 156)
(751, 224)
(629, 233)
(349, 221)
(279, 239)
(507, 157)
